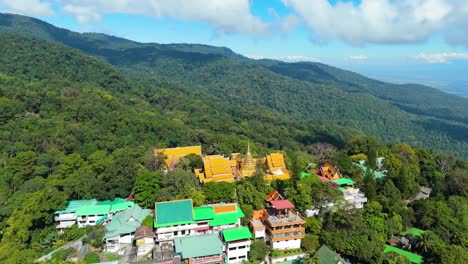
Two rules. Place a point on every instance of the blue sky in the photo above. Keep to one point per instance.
(423, 41)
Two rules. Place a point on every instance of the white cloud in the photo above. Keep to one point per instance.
(35, 8)
(358, 57)
(442, 57)
(383, 21)
(288, 58)
(228, 16)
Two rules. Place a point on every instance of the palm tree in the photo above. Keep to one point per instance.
(424, 242)
(311, 258)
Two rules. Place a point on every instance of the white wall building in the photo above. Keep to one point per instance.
(237, 244)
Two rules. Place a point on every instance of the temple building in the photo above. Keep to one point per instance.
(328, 172)
(276, 167)
(217, 168)
(247, 165)
(174, 155)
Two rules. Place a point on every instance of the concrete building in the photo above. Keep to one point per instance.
(120, 231)
(90, 212)
(237, 244)
(179, 218)
(144, 240)
(206, 248)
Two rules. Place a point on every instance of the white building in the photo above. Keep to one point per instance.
(144, 240)
(89, 212)
(236, 243)
(179, 218)
(121, 230)
(66, 218)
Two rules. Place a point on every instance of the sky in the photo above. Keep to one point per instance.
(421, 41)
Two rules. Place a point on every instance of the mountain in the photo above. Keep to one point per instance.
(301, 92)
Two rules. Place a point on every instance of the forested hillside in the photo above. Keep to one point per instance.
(74, 127)
(415, 114)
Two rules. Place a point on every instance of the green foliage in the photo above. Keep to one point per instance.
(310, 243)
(216, 192)
(148, 221)
(275, 253)
(63, 254)
(91, 258)
(146, 187)
(258, 250)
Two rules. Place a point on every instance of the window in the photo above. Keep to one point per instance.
(241, 257)
(175, 233)
(182, 232)
(232, 248)
(233, 258)
(241, 247)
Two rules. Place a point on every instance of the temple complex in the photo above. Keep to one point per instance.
(174, 155)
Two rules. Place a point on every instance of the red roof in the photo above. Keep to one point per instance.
(282, 204)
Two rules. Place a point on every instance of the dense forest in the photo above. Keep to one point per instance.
(415, 114)
(75, 127)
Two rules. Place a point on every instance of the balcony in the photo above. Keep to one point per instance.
(289, 219)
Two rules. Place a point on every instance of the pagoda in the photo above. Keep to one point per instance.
(248, 166)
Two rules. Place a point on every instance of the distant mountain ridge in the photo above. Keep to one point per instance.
(415, 114)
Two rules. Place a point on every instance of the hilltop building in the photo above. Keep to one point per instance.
(121, 229)
(144, 240)
(378, 173)
(218, 169)
(327, 256)
(206, 248)
(278, 223)
(247, 165)
(90, 212)
(174, 219)
(237, 244)
(276, 167)
(327, 172)
(352, 195)
(174, 155)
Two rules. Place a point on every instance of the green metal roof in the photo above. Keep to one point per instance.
(198, 246)
(375, 174)
(100, 220)
(414, 258)
(74, 205)
(104, 207)
(234, 234)
(343, 181)
(227, 218)
(93, 210)
(120, 206)
(413, 231)
(173, 212)
(327, 256)
(126, 222)
(203, 213)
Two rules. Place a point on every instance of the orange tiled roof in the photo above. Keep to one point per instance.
(274, 195)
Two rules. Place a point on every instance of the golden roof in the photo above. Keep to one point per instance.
(175, 154)
(276, 167)
(216, 168)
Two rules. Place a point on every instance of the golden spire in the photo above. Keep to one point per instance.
(248, 156)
